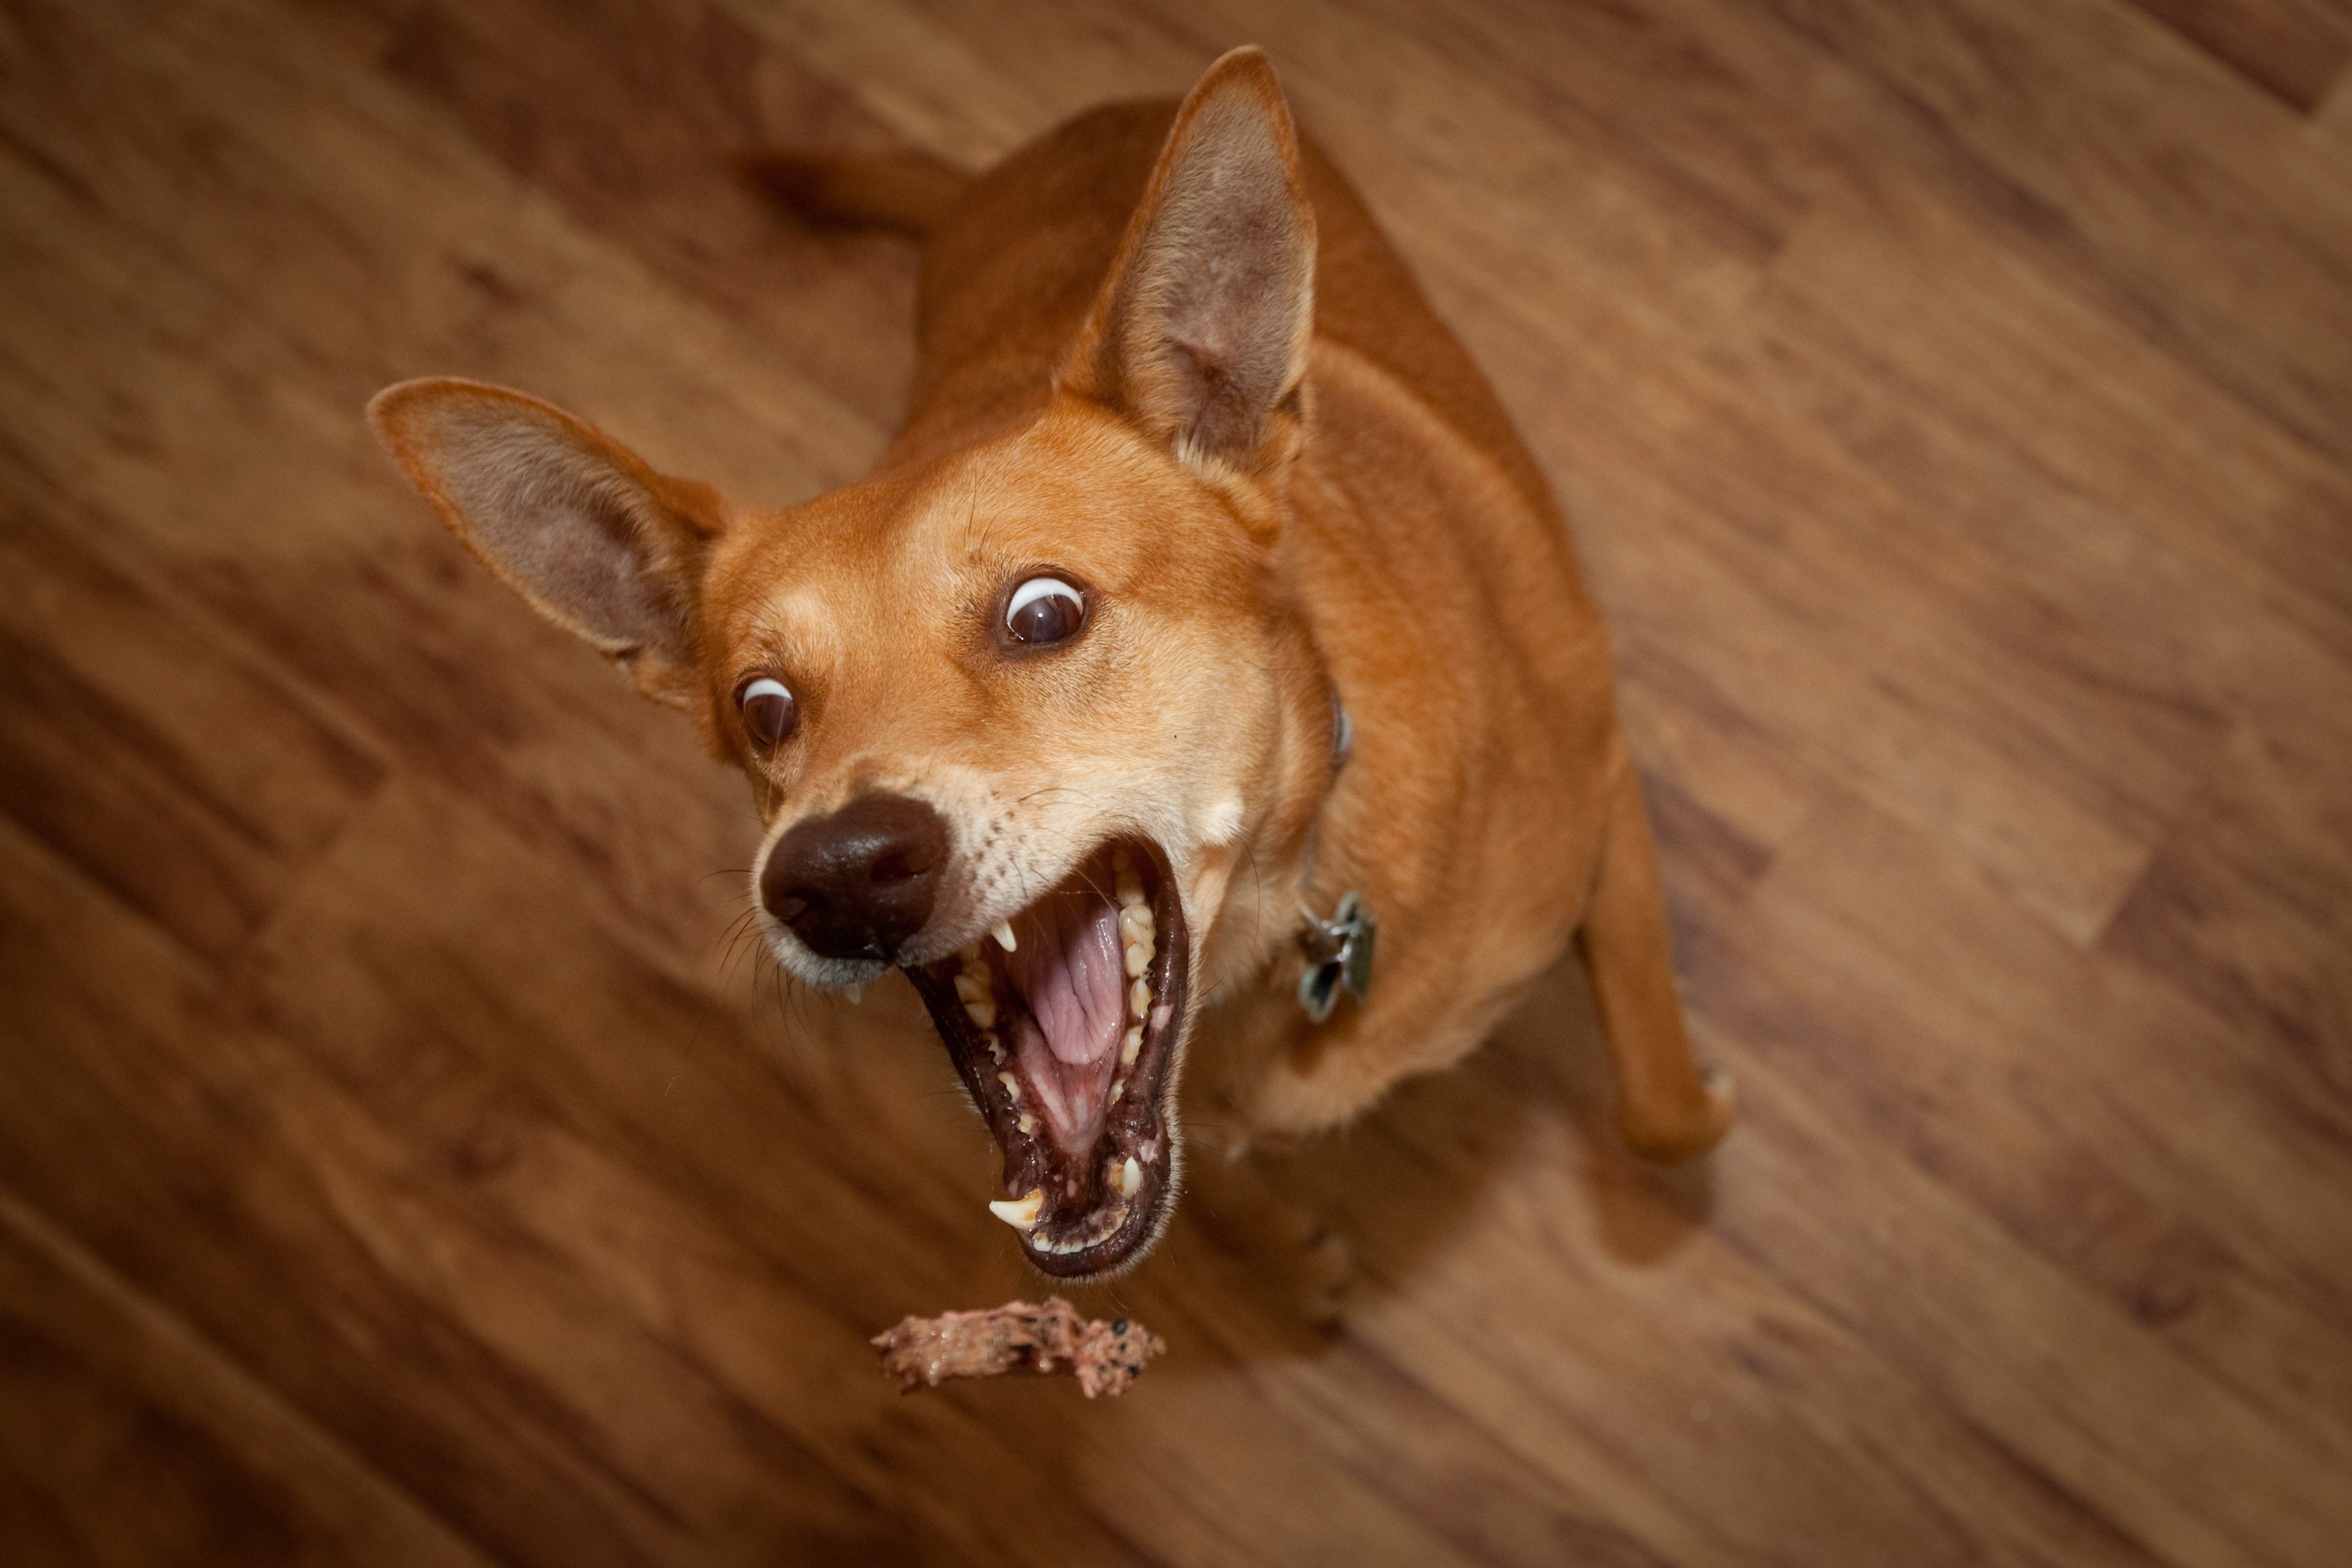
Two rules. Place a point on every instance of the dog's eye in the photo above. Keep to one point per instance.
(768, 710)
(1044, 610)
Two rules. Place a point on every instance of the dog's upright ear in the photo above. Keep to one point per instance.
(571, 520)
(1200, 335)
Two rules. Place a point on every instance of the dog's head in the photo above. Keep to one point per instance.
(1014, 716)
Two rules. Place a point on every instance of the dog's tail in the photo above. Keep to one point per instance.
(907, 192)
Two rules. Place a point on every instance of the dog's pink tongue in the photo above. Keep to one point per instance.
(1070, 970)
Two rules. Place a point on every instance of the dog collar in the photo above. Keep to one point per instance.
(1339, 950)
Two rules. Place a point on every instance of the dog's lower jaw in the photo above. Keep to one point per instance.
(1069, 1042)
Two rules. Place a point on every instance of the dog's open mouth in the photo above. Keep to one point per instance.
(1066, 1039)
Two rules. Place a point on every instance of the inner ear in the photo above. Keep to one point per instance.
(583, 539)
(572, 520)
(1200, 337)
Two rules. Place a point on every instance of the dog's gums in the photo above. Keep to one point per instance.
(1065, 1028)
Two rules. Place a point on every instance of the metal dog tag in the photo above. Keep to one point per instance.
(1339, 953)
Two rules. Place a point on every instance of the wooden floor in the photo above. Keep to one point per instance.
(397, 1166)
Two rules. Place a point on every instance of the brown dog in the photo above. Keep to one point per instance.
(1206, 583)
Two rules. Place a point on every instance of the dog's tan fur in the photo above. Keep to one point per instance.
(1167, 354)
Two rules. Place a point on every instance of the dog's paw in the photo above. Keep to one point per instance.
(1669, 1135)
(1327, 1273)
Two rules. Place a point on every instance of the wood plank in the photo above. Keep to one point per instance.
(2244, 908)
(1663, 1370)
(107, 750)
(2331, 126)
(2194, 213)
(2292, 49)
(2140, 1164)
(255, 1171)
(555, 93)
(131, 1441)
(317, 561)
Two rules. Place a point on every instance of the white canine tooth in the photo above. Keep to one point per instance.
(1012, 1087)
(1138, 997)
(1139, 959)
(1003, 935)
(982, 1014)
(1130, 1046)
(1119, 1091)
(1021, 1213)
(972, 987)
(1127, 1177)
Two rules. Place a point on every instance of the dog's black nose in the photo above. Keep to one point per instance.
(860, 882)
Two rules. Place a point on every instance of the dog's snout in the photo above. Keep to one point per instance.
(860, 882)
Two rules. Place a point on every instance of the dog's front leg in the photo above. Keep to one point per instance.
(1300, 1257)
(1668, 1108)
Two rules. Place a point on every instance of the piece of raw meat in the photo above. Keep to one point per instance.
(1019, 1336)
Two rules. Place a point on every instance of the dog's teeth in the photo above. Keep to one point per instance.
(970, 988)
(1003, 935)
(995, 1051)
(1012, 1087)
(1126, 1177)
(982, 1014)
(1131, 1046)
(1021, 1213)
(1026, 1123)
(1139, 959)
(1119, 1091)
(1135, 922)
(1138, 997)
(1130, 890)
(1108, 1225)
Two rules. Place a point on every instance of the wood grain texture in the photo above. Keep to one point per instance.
(2291, 49)
(398, 1162)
